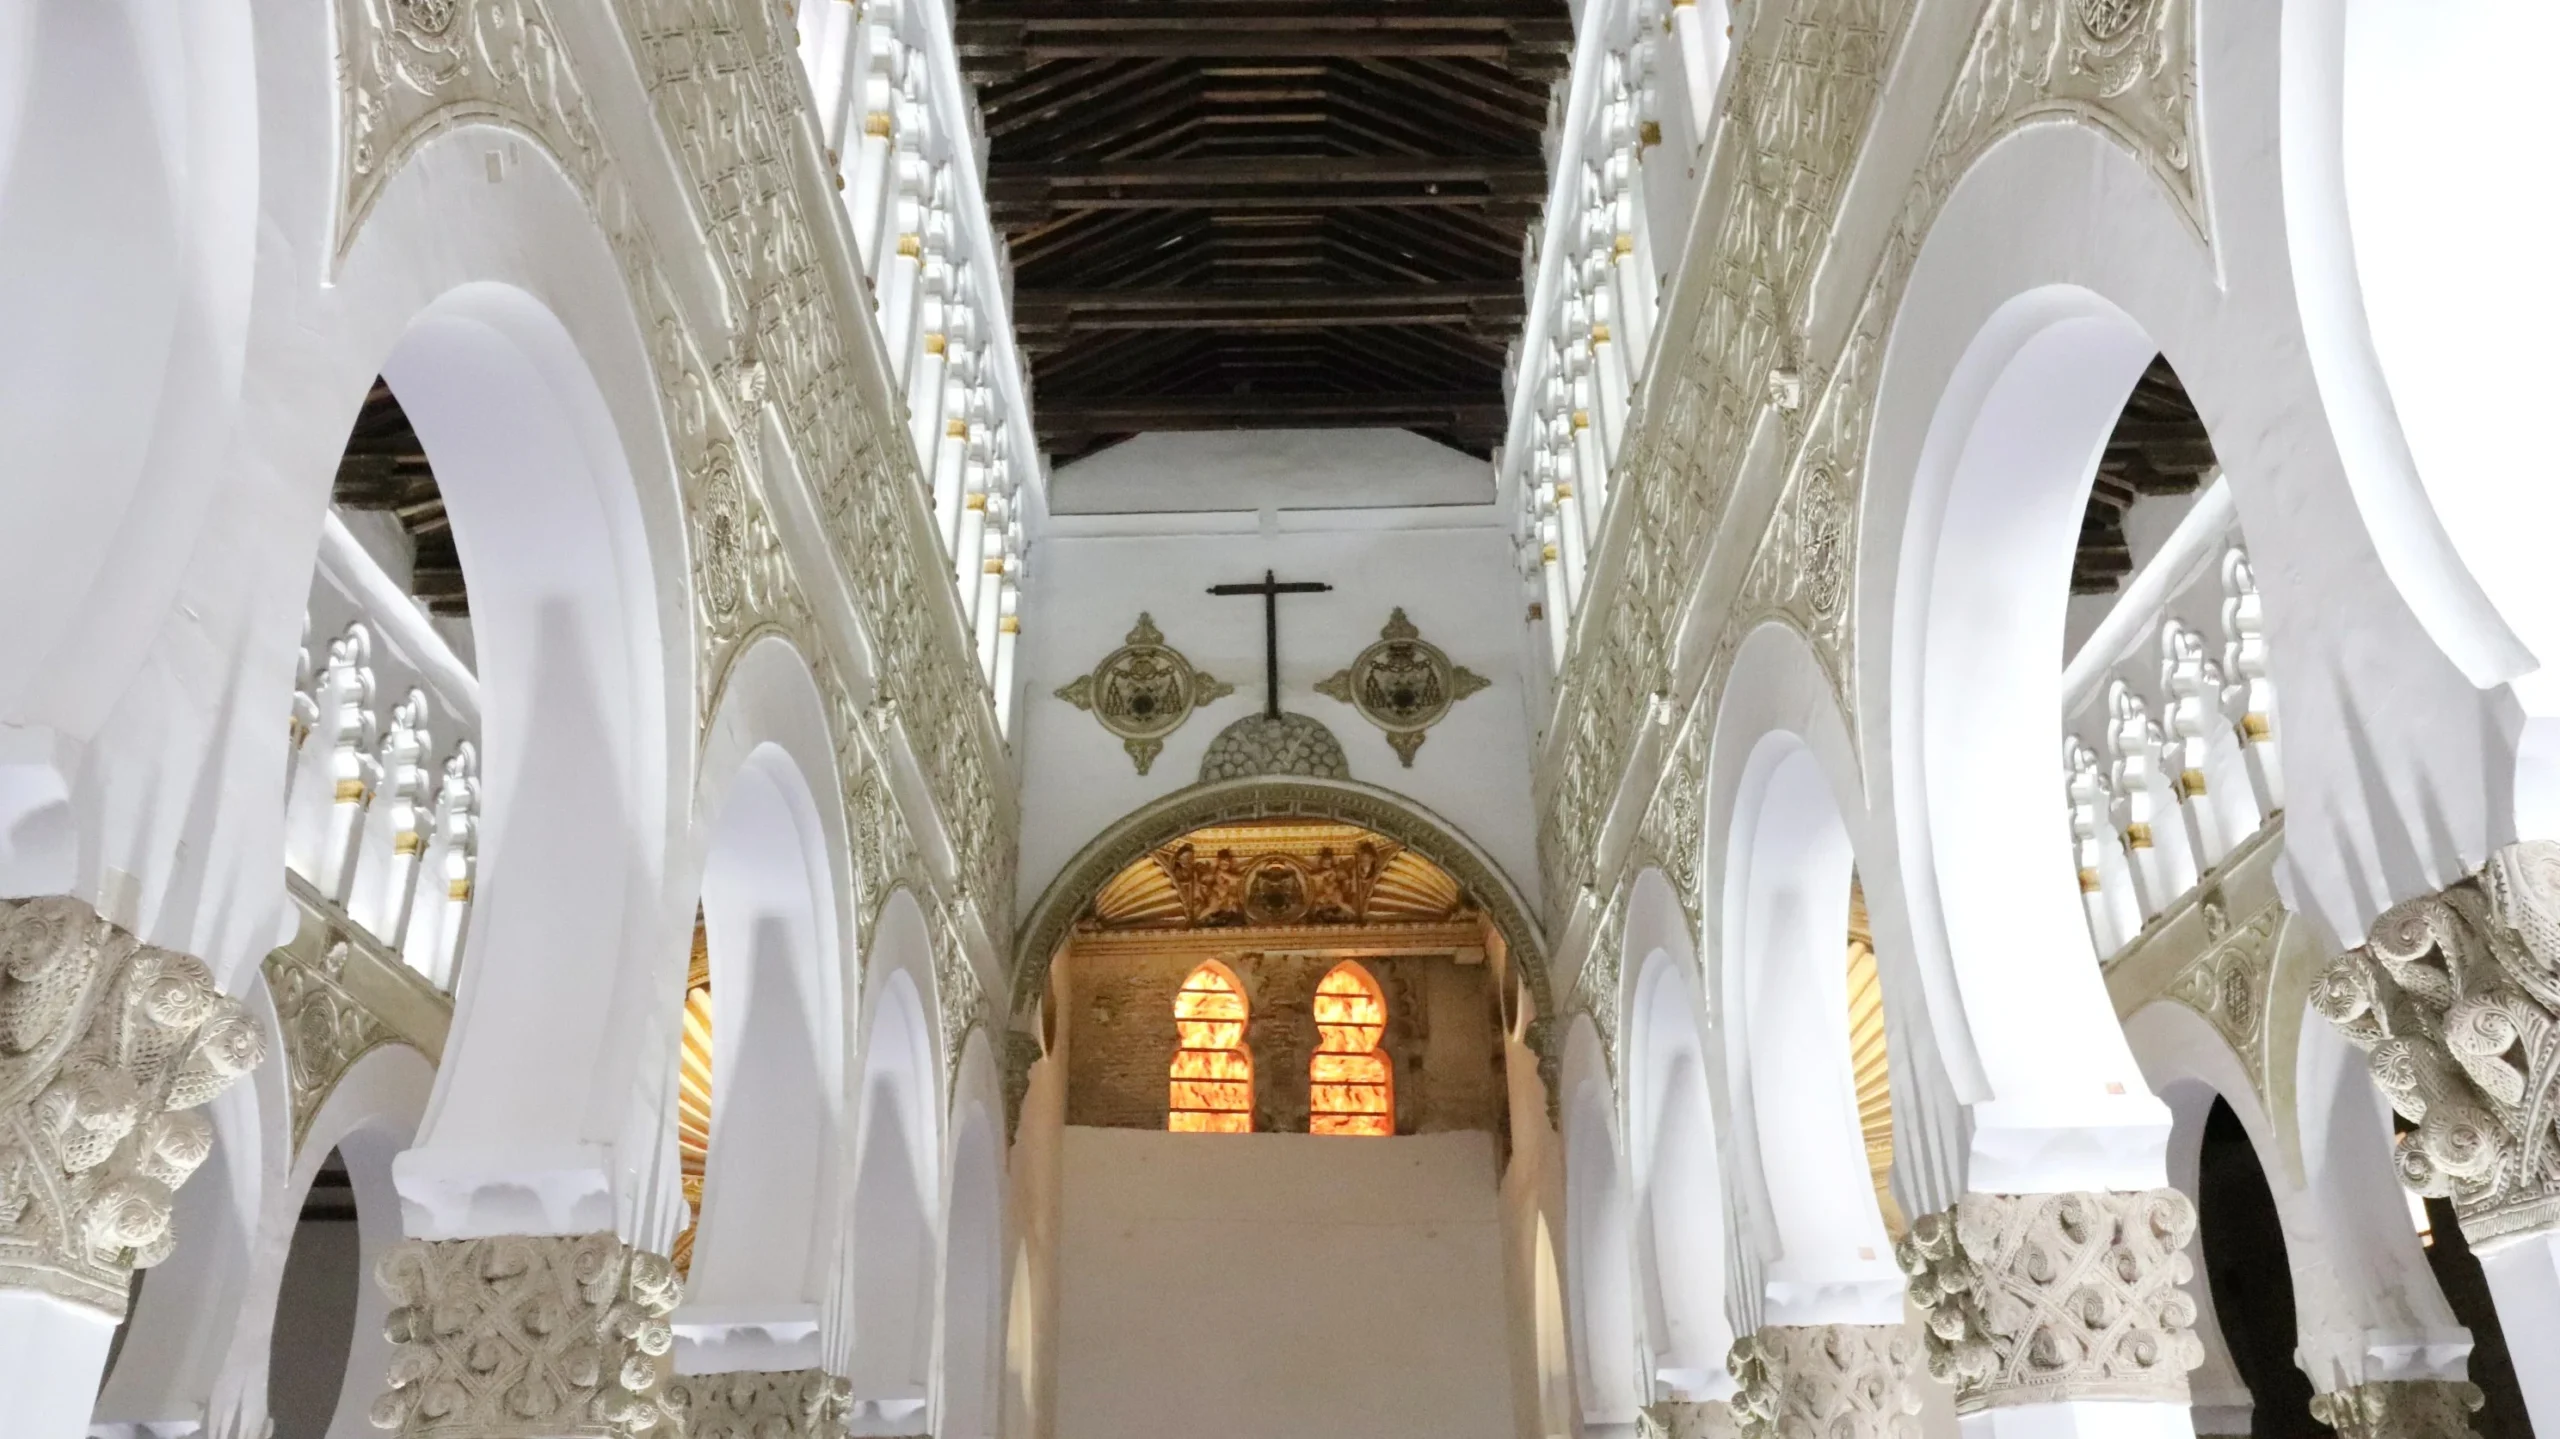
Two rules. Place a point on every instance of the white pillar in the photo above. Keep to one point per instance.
(2524, 1278)
(53, 1356)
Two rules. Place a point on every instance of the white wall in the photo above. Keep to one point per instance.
(1450, 570)
(1275, 1286)
(1281, 469)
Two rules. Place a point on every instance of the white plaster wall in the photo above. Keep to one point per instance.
(1449, 570)
(1274, 1286)
(1276, 469)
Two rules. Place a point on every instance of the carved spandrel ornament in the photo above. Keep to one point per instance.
(108, 1046)
(326, 1029)
(2228, 983)
(523, 1337)
(2041, 1298)
(1403, 684)
(1143, 691)
(2455, 996)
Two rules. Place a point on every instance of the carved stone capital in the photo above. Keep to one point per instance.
(107, 1047)
(759, 1404)
(2035, 1298)
(519, 1337)
(1687, 1419)
(1843, 1381)
(2454, 996)
(2401, 1409)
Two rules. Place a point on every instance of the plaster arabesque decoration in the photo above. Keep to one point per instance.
(108, 1046)
(1144, 691)
(720, 79)
(1403, 684)
(1800, 108)
(2456, 998)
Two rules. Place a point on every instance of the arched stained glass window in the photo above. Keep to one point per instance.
(1350, 1084)
(1212, 1070)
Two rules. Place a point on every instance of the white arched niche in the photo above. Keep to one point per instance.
(769, 917)
(970, 1370)
(2002, 481)
(205, 1343)
(891, 1244)
(2411, 352)
(1788, 862)
(577, 765)
(1599, 1244)
(1671, 1140)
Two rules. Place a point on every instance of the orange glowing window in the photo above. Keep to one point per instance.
(1351, 1089)
(1212, 1070)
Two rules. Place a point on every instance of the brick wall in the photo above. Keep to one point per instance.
(1442, 1033)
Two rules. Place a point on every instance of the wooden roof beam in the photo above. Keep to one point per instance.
(1466, 412)
(1024, 193)
(1495, 308)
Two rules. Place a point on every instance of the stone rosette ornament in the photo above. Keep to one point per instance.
(1143, 691)
(1403, 684)
(2043, 1298)
(2455, 997)
(108, 1048)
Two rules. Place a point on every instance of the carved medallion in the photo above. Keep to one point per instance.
(1143, 691)
(1403, 684)
(2107, 19)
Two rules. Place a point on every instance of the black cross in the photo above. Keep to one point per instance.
(1271, 589)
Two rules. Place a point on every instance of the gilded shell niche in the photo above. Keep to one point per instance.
(1143, 691)
(1403, 684)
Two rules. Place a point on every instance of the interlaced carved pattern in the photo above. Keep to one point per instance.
(2454, 996)
(107, 1048)
(2039, 1298)
(786, 1404)
(1841, 1381)
(519, 1337)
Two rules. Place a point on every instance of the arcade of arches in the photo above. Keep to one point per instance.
(1115, 719)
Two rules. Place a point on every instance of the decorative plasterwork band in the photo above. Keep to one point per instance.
(1795, 117)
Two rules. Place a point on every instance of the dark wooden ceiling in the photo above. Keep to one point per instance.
(1265, 213)
(2159, 447)
(385, 468)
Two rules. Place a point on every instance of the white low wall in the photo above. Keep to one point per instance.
(1278, 1286)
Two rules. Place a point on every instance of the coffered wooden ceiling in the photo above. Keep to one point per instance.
(1235, 214)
